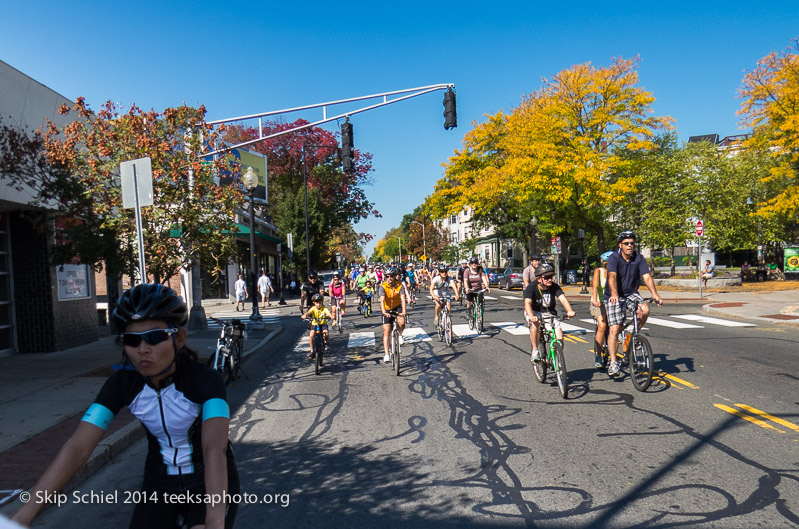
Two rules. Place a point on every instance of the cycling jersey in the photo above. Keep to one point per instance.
(172, 417)
(442, 285)
(360, 282)
(411, 276)
(392, 296)
(337, 290)
(319, 316)
(312, 288)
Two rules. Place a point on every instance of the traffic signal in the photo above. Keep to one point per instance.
(347, 147)
(450, 114)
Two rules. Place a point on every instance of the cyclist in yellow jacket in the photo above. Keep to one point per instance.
(392, 296)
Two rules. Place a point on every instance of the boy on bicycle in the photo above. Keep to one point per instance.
(319, 316)
(439, 287)
(368, 291)
(539, 305)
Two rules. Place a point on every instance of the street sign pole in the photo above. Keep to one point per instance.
(700, 230)
(139, 234)
(136, 177)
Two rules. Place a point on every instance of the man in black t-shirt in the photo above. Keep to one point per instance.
(540, 298)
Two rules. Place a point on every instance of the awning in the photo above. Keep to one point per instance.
(244, 231)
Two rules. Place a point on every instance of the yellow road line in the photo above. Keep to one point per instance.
(772, 418)
(673, 384)
(578, 339)
(675, 379)
(749, 418)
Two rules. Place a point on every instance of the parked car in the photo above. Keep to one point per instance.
(326, 278)
(511, 278)
(493, 276)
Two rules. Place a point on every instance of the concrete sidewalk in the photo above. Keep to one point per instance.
(43, 397)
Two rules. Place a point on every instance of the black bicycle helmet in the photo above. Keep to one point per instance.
(149, 301)
(312, 274)
(317, 297)
(544, 269)
(443, 268)
(536, 257)
(626, 234)
(474, 260)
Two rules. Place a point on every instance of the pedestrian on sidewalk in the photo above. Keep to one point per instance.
(240, 288)
(265, 287)
(182, 405)
(707, 272)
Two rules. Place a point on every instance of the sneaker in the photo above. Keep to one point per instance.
(327, 347)
(614, 369)
(598, 362)
(311, 356)
(535, 356)
(386, 359)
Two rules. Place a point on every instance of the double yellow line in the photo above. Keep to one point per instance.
(758, 421)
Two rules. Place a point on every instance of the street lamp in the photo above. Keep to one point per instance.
(399, 242)
(581, 236)
(533, 223)
(250, 182)
(424, 243)
(305, 192)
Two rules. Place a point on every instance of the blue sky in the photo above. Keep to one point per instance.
(248, 57)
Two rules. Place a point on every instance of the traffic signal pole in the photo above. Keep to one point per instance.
(411, 93)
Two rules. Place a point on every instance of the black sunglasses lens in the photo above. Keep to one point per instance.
(154, 337)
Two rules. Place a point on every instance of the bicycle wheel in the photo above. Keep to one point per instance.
(440, 327)
(540, 368)
(338, 320)
(318, 346)
(478, 318)
(235, 359)
(560, 370)
(472, 314)
(448, 329)
(218, 362)
(642, 363)
(396, 356)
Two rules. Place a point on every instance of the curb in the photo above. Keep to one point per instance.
(117, 442)
(707, 309)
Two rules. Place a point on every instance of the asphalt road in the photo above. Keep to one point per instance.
(465, 436)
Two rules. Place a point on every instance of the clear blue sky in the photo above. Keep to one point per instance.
(248, 57)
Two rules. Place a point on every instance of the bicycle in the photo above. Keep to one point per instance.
(445, 320)
(367, 307)
(461, 294)
(318, 347)
(476, 316)
(336, 302)
(394, 346)
(635, 349)
(227, 356)
(551, 350)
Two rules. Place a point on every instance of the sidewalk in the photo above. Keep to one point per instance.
(43, 397)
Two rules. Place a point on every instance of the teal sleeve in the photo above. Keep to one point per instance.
(98, 415)
(215, 408)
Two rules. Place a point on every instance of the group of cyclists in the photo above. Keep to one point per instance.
(615, 285)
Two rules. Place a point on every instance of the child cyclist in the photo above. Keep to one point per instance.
(368, 291)
(182, 405)
(539, 304)
(319, 316)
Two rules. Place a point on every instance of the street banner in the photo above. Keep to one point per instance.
(792, 260)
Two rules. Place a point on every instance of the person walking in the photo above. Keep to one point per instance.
(240, 288)
(265, 288)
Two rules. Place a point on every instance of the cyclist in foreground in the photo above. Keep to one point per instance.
(626, 268)
(474, 278)
(392, 296)
(540, 304)
(440, 286)
(319, 315)
(182, 405)
(598, 310)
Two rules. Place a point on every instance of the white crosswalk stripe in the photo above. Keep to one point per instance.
(514, 298)
(672, 324)
(511, 327)
(361, 339)
(489, 297)
(415, 334)
(462, 330)
(712, 321)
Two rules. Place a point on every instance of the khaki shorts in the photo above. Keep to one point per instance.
(596, 312)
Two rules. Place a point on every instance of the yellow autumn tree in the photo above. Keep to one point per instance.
(771, 108)
(556, 155)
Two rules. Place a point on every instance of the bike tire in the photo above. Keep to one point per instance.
(319, 347)
(235, 359)
(641, 362)
(218, 363)
(560, 370)
(338, 320)
(448, 330)
(478, 318)
(540, 368)
(440, 327)
(396, 357)
(471, 316)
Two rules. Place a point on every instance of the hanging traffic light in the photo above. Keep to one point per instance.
(450, 113)
(347, 146)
